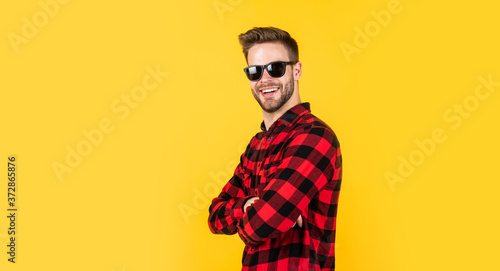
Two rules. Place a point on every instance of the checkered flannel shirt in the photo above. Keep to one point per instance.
(295, 168)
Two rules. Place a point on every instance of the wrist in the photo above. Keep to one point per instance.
(248, 202)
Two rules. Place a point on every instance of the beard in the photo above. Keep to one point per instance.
(271, 105)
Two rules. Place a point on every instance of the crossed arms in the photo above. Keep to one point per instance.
(308, 163)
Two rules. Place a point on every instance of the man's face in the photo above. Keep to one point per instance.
(281, 89)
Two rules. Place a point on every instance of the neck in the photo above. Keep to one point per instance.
(270, 118)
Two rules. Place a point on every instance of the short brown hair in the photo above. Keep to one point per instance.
(258, 35)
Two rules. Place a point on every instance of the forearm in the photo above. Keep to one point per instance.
(285, 198)
(262, 222)
(225, 215)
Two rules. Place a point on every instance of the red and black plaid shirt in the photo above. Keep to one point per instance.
(295, 168)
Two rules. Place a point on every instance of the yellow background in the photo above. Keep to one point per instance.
(139, 199)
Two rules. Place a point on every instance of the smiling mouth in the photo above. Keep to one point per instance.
(269, 91)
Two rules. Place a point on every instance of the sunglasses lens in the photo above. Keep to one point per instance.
(253, 73)
(276, 69)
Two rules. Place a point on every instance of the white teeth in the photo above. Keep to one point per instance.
(269, 90)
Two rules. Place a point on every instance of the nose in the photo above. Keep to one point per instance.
(265, 76)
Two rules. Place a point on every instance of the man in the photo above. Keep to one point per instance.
(282, 199)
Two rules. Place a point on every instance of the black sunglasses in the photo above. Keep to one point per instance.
(275, 69)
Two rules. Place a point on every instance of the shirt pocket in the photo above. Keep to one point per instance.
(250, 182)
(266, 174)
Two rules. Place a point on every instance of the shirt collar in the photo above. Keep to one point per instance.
(289, 116)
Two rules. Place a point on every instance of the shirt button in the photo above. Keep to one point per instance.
(269, 138)
(256, 192)
(251, 249)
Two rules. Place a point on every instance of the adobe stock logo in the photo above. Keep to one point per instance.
(122, 107)
(222, 7)
(202, 198)
(31, 27)
(363, 36)
(453, 116)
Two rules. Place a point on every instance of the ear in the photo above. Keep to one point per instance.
(297, 70)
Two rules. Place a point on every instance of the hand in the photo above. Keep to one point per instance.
(249, 202)
(299, 221)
